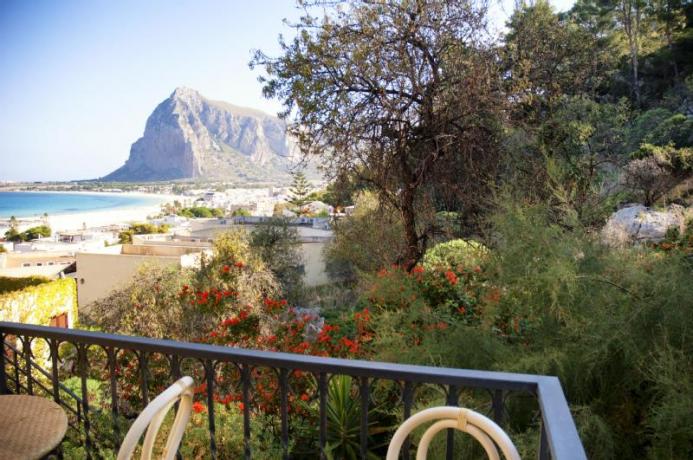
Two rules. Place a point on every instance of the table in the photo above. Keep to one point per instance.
(30, 426)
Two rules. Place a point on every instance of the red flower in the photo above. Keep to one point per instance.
(241, 406)
(452, 278)
(305, 397)
(231, 322)
(350, 344)
(198, 407)
(418, 269)
(225, 268)
(239, 264)
(201, 388)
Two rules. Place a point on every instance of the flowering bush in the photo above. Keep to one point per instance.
(453, 295)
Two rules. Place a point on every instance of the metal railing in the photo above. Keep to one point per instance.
(20, 372)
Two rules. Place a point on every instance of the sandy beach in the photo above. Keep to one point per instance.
(99, 218)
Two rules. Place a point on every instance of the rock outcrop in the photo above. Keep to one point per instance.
(191, 137)
(637, 224)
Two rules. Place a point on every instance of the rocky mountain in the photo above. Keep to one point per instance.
(191, 137)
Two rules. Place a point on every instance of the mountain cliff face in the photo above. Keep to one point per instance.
(191, 137)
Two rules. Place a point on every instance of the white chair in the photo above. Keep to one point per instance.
(481, 428)
(153, 415)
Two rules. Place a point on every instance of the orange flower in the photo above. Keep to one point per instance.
(239, 264)
(198, 407)
(452, 278)
(241, 406)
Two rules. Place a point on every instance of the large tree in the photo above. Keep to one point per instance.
(399, 93)
(546, 58)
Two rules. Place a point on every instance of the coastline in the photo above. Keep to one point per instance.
(101, 217)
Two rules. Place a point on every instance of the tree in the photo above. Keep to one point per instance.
(629, 14)
(299, 189)
(13, 235)
(277, 244)
(547, 58)
(395, 93)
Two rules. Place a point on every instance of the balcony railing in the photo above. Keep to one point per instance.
(34, 362)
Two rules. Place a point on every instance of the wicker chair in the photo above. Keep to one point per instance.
(480, 427)
(153, 415)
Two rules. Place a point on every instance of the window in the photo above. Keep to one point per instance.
(59, 320)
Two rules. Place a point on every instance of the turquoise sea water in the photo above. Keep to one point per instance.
(28, 204)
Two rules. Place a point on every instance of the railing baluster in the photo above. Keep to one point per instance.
(284, 409)
(408, 400)
(26, 343)
(209, 377)
(451, 401)
(322, 389)
(245, 388)
(111, 354)
(543, 453)
(55, 380)
(364, 393)
(176, 375)
(143, 359)
(3, 376)
(15, 362)
(497, 406)
(82, 364)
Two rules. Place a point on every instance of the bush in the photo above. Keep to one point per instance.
(459, 254)
(201, 211)
(42, 231)
(141, 229)
(606, 321)
(165, 302)
(8, 284)
(371, 238)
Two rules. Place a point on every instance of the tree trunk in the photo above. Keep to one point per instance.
(413, 253)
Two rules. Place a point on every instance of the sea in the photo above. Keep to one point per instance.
(33, 204)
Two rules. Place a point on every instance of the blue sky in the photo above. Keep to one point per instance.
(78, 78)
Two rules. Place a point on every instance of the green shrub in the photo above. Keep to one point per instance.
(599, 315)
(8, 284)
(42, 231)
(371, 238)
(459, 254)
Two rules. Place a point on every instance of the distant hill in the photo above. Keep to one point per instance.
(191, 137)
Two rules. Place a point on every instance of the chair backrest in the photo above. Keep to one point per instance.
(153, 415)
(480, 427)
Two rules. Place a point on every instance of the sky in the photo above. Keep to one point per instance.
(78, 78)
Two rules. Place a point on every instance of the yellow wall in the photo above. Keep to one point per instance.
(314, 264)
